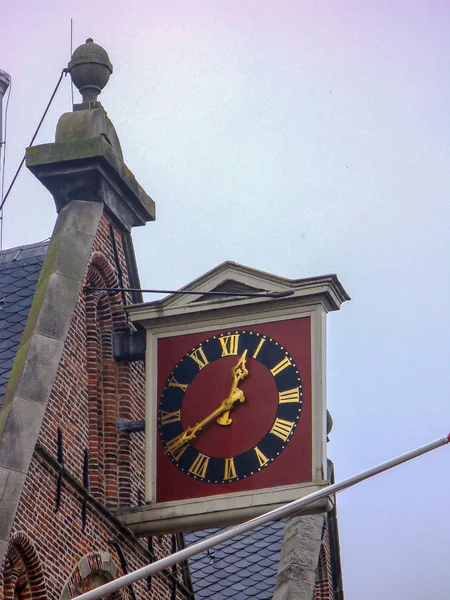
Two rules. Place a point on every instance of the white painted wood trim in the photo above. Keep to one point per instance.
(151, 403)
(213, 511)
(317, 314)
(319, 401)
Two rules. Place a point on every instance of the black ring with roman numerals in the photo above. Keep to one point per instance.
(287, 379)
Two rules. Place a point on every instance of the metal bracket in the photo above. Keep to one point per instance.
(129, 426)
(129, 346)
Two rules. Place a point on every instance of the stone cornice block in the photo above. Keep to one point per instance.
(89, 169)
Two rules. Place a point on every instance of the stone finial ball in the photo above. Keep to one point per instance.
(90, 69)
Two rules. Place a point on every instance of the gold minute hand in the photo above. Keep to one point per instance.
(239, 371)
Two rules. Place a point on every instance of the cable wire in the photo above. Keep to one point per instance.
(71, 52)
(63, 72)
(283, 294)
(3, 145)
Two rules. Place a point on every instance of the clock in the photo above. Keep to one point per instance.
(232, 360)
(235, 397)
(233, 409)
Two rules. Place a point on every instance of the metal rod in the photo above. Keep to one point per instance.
(5, 84)
(63, 72)
(88, 288)
(273, 515)
(71, 52)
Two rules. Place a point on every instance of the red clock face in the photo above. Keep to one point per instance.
(234, 410)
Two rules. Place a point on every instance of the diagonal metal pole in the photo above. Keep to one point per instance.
(295, 507)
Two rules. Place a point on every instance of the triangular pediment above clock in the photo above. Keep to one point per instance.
(234, 278)
(230, 286)
(229, 277)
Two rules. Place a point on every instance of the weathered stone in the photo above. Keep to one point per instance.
(89, 169)
(71, 264)
(19, 434)
(11, 483)
(294, 590)
(34, 369)
(57, 301)
(88, 123)
(62, 272)
(90, 69)
(79, 216)
(40, 368)
(3, 546)
(84, 567)
(299, 558)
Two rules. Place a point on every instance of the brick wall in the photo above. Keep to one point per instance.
(91, 390)
(324, 588)
(60, 530)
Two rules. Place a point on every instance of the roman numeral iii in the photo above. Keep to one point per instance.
(282, 429)
(229, 344)
(289, 396)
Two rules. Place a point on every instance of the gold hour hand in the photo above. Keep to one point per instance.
(225, 407)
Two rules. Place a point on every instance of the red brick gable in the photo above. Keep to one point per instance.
(90, 392)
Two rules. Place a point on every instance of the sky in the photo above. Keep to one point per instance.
(301, 138)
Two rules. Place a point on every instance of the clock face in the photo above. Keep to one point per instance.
(230, 407)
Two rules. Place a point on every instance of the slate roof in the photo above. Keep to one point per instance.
(19, 272)
(243, 568)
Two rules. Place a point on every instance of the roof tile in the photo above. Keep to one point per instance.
(19, 272)
(243, 568)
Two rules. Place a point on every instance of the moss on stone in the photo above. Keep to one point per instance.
(48, 268)
(4, 412)
(66, 150)
(16, 373)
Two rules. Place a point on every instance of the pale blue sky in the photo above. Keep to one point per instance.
(301, 138)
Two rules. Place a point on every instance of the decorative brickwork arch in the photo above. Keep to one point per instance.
(108, 384)
(93, 570)
(23, 578)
